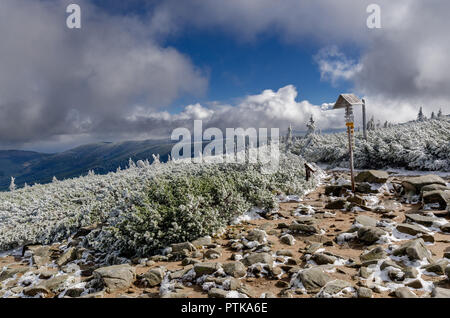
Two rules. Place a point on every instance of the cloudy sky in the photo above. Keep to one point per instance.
(138, 69)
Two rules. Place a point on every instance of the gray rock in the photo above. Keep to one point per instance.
(364, 272)
(366, 220)
(206, 268)
(336, 190)
(439, 292)
(217, 293)
(99, 294)
(445, 228)
(438, 267)
(55, 284)
(410, 229)
(287, 239)
(405, 292)
(235, 269)
(181, 247)
(414, 249)
(68, 256)
(357, 199)
(115, 277)
(420, 219)
(338, 204)
(447, 252)
(284, 253)
(438, 196)
(74, 292)
(323, 259)
(411, 272)
(41, 255)
(254, 258)
(256, 235)
(313, 248)
(389, 263)
(364, 292)
(35, 290)
(369, 234)
(416, 284)
(9, 272)
(375, 254)
(153, 277)
(372, 176)
(333, 287)
(434, 187)
(212, 253)
(415, 184)
(314, 278)
(303, 228)
(203, 241)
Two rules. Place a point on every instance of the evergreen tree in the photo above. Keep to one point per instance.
(420, 115)
(311, 126)
(440, 113)
(432, 115)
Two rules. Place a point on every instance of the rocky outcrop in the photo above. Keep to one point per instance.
(115, 277)
(372, 176)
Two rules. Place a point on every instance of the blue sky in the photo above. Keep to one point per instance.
(237, 68)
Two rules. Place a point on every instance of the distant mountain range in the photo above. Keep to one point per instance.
(33, 167)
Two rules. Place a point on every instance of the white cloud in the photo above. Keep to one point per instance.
(57, 82)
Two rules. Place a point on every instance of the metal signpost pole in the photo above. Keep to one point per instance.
(364, 119)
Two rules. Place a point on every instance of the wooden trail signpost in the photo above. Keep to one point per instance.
(347, 101)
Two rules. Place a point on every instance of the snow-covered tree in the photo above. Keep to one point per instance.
(440, 113)
(311, 126)
(433, 116)
(420, 115)
(12, 185)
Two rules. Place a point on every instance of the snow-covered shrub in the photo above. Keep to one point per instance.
(413, 145)
(145, 206)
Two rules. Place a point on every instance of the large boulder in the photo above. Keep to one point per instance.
(153, 277)
(115, 277)
(41, 255)
(333, 287)
(323, 259)
(415, 250)
(370, 234)
(439, 292)
(206, 268)
(255, 258)
(68, 256)
(438, 267)
(235, 269)
(9, 272)
(421, 219)
(410, 229)
(372, 176)
(303, 228)
(415, 184)
(442, 197)
(182, 247)
(375, 254)
(366, 220)
(314, 278)
(256, 235)
(405, 292)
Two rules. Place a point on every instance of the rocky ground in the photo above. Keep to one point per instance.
(390, 239)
